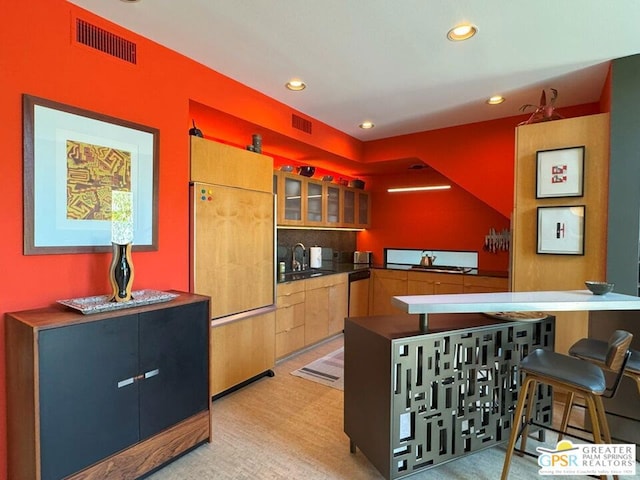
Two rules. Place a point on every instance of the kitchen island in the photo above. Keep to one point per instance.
(442, 382)
(415, 399)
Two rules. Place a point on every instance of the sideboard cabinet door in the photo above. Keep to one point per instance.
(85, 414)
(175, 386)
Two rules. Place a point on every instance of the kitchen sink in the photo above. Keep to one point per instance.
(302, 274)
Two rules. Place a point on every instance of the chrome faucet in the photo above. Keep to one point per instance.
(296, 266)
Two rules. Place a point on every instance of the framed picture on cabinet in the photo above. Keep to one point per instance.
(561, 230)
(73, 160)
(560, 172)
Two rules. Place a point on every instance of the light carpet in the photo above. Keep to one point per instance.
(328, 370)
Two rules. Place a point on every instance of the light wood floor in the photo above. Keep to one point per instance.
(287, 427)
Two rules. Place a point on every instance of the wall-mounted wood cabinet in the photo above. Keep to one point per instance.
(306, 202)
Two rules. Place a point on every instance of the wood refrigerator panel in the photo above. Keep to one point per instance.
(232, 241)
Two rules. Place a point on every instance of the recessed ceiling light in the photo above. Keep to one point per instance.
(461, 32)
(366, 125)
(130, 1)
(295, 84)
(495, 100)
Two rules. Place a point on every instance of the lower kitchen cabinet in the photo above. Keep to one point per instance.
(241, 349)
(386, 284)
(325, 307)
(425, 283)
(310, 311)
(359, 298)
(484, 284)
(290, 299)
(91, 396)
(338, 303)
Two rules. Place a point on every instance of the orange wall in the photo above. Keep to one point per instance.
(38, 57)
(437, 220)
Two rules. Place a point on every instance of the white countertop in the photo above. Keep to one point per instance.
(551, 301)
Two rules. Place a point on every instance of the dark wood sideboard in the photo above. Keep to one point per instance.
(107, 395)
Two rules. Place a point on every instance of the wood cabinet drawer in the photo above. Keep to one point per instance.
(389, 274)
(287, 300)
(289, 317)
(320, 282)
(289, 341)
(289, 288)
(495, 283)
(450, 278)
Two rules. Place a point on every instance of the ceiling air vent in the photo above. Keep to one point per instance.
(107, 42)
(301, 123)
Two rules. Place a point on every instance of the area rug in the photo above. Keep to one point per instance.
(328, 370)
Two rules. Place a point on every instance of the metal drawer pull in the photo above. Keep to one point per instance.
(152, 373)
(125, 382)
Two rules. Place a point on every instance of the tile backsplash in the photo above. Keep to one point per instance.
(334, 239)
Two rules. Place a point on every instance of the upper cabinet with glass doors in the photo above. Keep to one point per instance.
(307, 202)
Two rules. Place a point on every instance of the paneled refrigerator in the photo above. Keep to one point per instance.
(233, 247)
(232, 258)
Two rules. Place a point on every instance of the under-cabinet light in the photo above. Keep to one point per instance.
(418, 189)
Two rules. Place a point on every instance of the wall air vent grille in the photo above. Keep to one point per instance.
(301, 123)
(107, 42)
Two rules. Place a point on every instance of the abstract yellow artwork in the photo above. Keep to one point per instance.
(93, 171)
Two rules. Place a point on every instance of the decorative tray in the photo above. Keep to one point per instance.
(101, 303)
(518, 316)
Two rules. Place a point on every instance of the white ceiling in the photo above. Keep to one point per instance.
(389, 61)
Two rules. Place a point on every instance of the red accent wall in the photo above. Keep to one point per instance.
(165, 90)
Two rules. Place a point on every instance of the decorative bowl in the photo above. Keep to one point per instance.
(327, 178)
(599, 288)
(306, 171)
(357, 183)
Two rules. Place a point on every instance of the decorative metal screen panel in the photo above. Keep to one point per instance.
(455, 393)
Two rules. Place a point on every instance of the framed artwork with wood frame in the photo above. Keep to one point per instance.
(560, 172)
(561, 230)
(73, 160)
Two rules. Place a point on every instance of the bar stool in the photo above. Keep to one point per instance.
(577, 377)
(595, 351)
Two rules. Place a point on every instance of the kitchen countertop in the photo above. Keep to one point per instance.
(328, 268)
(553, 301)
(331, 268)
(444, 269)
(546, 301)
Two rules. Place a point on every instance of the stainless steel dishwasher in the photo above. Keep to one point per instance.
(359, 293)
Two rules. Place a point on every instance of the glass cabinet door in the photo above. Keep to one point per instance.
(333, 204)
(349, 208)
(314, 202)
(292, 199)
